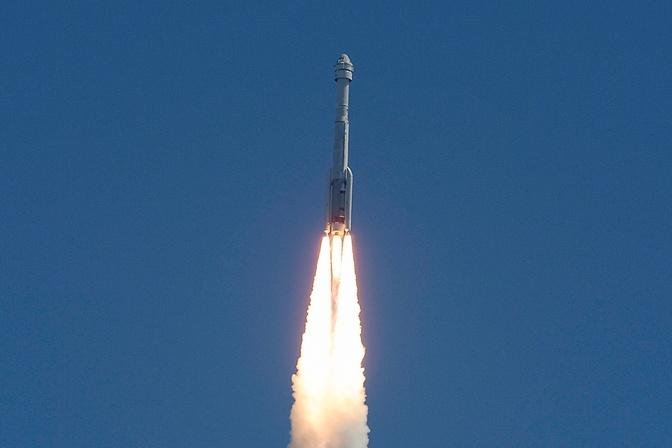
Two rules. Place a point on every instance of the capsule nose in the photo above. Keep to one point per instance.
(344, 59)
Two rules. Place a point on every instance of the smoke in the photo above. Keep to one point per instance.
(329, 398)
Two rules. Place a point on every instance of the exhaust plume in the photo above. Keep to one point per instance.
(329, 408)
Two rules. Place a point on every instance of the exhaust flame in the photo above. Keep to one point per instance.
(329, 398)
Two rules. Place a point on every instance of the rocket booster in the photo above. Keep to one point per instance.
(339, 194)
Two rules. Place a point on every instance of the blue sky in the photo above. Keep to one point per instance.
(162, 170)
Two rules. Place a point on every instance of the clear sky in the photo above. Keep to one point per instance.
(162, 177)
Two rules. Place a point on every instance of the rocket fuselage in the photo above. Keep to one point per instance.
(339, 198)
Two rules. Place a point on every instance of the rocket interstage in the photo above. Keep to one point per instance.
(329, 409)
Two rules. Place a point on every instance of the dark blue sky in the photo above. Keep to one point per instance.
(162, 174)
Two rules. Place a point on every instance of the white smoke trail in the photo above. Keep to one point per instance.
(329, 397)
(347, 380)
(310, 381)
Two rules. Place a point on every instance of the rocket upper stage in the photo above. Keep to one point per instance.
(339, 194)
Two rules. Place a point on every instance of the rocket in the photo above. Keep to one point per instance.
(339, 193)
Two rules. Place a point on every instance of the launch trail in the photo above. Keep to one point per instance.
(330, 408)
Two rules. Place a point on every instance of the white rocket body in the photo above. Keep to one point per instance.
(339, 197)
